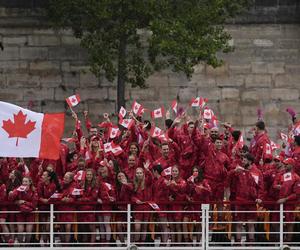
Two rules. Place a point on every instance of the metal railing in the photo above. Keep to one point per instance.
(206, 229)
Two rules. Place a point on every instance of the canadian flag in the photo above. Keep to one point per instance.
(137, 108)
(214, 121)
(80, 175)
(122, 112)
(107, 147)
(208, 114)
(22, 188)
(240, 143)
(284, 137)
(116, 149)
(113, 132)
(73, 100)
(274, 145)
(174, 106)
(287, 177)
(155, 132)
(267, 151)
(108, 186)
(198, 102)
(77, 192)
(56, 196)
(126, 123)
(157, 113)
(167, 171)
(163, 137)
(25, 133)
(255, 177)
(154, 205)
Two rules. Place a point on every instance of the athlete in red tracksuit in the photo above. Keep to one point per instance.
(26, 198)
(3, 215)
(142, 194)
(244, 187)
(170, 153)
(45, 189)
(67, 188)
(90, 192)
(296, 154)
(123, 195)
(289, 190)
(177, 194)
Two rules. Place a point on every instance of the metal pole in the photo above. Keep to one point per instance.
(281, 226)
(205, 243)
(51, 226)
(128, 225)
(203, 226)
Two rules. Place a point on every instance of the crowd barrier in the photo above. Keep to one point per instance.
(213, 227)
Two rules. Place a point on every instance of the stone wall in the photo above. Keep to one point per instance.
(41, 67)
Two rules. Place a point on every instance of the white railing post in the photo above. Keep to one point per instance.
(128, 225)
(51, 226)
(281, 226)
(205, 226)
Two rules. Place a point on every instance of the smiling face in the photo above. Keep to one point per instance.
(131, 161)
(133, 149)
(165, 150)
(175, 172)
(219, 144)
(67, 178)
(26, 182)
(121, 176)
(93, 131)
(45, 177)
(89, 175)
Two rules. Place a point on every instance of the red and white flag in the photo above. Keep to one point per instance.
(126, 123)
(174, 106)
(154, 206)
(208, 114)
(240, 143)
(122, 112)
(25, 133)
(114, 132)
(68, 140)
(198, 102)
(284, 137)
(107, 147)
(137, 108)
(56, 196)
(274, 145)
(155, 132)
(108, 186)
(267, 151)
(214, 121)
(80, 175)
(116, 149)
(22, 188)
(167, 171)
(77, 192)
(73, 100)
(158, 113)
(163, 137)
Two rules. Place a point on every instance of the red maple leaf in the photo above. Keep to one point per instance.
(18, 128)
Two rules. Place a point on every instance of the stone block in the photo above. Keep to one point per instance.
(88, 80)
(287, 80)
(50, 80)
(230, 81)
(285, 94)
(61, 94)
(168, 93)
(71, 79)
(38, 94)
(256, 95)
(178, 80)
(70, 40)
(97, 109)
(210, 93)
(44, 65)
(157, 80)
(199, 68)
(143, 94)
(10, 53)
(186, 94)
(263, 43)
(259, 81)
(276, 67)
(234, 119)
(65, 53)
(229, 107)
(201, 80)
(259, 67)
(19, 80)
(34, 53)
(239, 68)
(112, 93)
(248, 120)
(292, 68)
(54, 106)
(14, 40)
(98, 94)
(43, 40)
(8, 94)
(289, 43)
(230, 93)
(221, 70)
(9, 65)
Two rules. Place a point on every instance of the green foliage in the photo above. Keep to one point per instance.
(154, 34)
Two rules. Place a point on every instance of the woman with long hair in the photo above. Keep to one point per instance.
(90, 192)
(25, 196)
(177, 193)
(142, 194)
(45, 189)
(14, 181)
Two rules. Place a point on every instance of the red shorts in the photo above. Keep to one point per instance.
(66, 217)
(177, 216)
(245, 216)
(25, 217)
(106, 208)
(217, 191)
(138, 213)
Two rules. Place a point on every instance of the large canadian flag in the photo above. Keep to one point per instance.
(24, 133)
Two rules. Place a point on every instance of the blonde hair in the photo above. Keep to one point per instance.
(138, 183)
